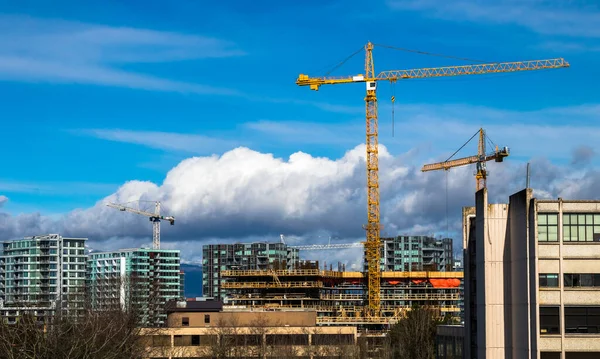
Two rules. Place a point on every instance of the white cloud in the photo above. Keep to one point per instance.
(553, 18)
(244, 195)
(3, 200)
(169, 141)
(70, 52)
(436, 131)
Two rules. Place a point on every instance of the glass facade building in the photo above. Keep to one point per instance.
(42, 274)
(141, 278)
(416, 253)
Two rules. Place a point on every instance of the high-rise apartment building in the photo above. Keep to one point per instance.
(250, 256)
(140, 278)
(42, 274)
(416, 253)
(532, 274)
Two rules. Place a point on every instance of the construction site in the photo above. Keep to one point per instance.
(387, 287)
(339, 297)
(384, 291)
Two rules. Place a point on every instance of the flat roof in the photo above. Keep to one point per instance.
(194, 306)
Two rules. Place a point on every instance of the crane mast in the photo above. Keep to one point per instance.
(373, 226)
(155, 217)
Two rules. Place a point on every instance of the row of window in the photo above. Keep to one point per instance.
(580, 320)
(576, 280)
(75, 244)
(73, 252)
(576, 227)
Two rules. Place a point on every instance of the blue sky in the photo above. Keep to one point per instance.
(99, 93)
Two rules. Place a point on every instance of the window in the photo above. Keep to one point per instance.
(548, 227)
(548, 280)
(195, 340)
(549, 320)
(206, 318)
(581, 227)
(581, 280)
(582, 320)
(185, 322)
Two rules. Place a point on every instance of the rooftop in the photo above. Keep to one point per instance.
(194, 306)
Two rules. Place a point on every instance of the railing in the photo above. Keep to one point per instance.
(279, 272)
(341, 275)
(233, 285)
(414, 296)
(356, 320)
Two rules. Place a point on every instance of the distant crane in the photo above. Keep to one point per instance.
(155, 218)
(313, 247)
(480, 159)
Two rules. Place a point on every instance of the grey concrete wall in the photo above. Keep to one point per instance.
(468, 232)
(518, 306)
(533, 272)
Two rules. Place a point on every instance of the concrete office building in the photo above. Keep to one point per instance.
(532, 274)
(142, 278)
(42, 274)
(249, 256)
(458, 267)
(416, 253)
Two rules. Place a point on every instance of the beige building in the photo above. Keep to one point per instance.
(205, 330)
(532, 278)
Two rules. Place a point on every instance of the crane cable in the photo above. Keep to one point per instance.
(461, 147)
(344, 61)
(393, 83)
(432, 54)
(447, 223)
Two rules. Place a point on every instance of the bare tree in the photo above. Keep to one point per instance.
(413, 337)
(88, 335)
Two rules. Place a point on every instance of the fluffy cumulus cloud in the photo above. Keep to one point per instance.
(245, 195)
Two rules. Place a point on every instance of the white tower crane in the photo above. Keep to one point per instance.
(155, 218)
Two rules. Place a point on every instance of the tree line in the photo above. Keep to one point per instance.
(117, 333)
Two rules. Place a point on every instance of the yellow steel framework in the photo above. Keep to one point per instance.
(373, 225)
(309, 284)
(335, 274)
(480, 159)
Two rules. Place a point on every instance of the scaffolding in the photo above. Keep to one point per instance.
(340, 297)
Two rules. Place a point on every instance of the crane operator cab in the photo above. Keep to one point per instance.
(504, 152)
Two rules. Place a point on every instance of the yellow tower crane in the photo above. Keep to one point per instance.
(480, 159)
(373, 227)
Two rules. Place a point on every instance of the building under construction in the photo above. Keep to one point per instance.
(340, 297)
(217, 258)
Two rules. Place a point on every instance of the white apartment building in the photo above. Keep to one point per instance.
(532, 278)
(40, 275)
